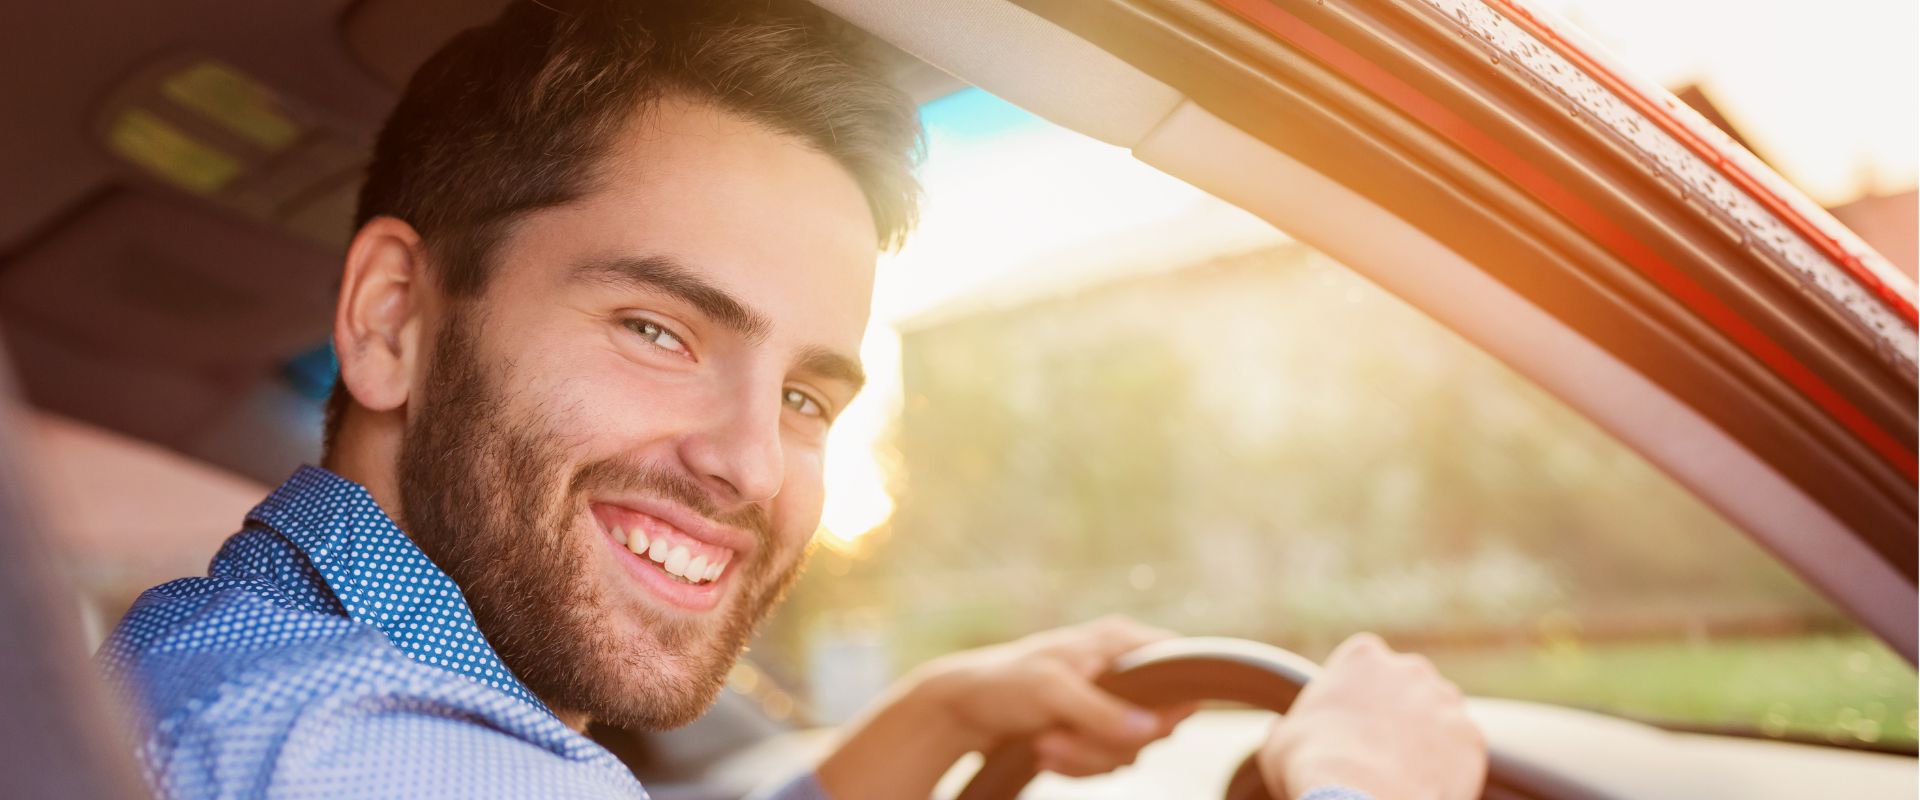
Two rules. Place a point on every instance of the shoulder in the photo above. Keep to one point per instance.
(199, 647)
(212, 622)
(243, 693)
(260, 597)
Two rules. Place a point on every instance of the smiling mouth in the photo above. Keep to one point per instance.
(686, 561)
(665, 553)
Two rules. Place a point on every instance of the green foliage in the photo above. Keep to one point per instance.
(1846, 689)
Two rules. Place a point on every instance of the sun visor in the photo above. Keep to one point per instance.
(203, 127)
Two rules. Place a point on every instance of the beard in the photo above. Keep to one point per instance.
(490, 497)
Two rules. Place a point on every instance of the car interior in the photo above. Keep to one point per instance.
(182, 179)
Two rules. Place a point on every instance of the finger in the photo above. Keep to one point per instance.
(1360, 645)
(1174, 715)
(1076, 703)
(1418, 663)
(1092, 647)
(1273, 755)
(1076, 756)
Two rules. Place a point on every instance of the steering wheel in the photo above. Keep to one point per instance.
(1250, 673)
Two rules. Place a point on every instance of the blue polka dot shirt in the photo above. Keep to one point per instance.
(324, 655)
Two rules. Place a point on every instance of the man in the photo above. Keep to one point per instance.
(612, 269)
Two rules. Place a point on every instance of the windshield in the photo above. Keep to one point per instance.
(1099, 390)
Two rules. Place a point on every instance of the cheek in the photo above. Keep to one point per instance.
(603, 406)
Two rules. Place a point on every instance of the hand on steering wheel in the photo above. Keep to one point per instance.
(1182, 671)
(1379, 721)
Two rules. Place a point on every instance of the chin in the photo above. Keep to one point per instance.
(656, 687)
(659, 667)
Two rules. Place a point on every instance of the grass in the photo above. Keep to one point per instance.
(1841, 688)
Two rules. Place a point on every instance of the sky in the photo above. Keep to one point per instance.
(1828, 92)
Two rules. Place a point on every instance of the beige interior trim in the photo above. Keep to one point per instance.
(1209, 153)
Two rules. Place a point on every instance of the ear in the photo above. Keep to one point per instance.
(376, 328)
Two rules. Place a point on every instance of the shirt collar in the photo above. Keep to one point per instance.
(380, 577)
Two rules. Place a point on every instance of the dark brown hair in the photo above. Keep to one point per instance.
(515, 115)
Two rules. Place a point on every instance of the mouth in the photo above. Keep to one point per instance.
(684, 571)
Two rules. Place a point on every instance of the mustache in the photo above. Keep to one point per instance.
(614, 475)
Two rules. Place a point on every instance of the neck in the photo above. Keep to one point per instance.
(366, 450)
(576, 720)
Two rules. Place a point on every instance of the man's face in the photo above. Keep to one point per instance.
(659, 359)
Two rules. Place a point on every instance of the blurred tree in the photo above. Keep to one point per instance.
(1266, 445)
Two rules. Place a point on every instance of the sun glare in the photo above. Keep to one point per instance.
(979, 242)
(856, 479)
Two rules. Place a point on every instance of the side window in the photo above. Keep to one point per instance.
(1267, 446)
(1221, 431)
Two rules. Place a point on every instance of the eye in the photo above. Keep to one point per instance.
(657, 334)
(800, 401)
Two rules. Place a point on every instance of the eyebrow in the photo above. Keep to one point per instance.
(667, 275)
(828, 364)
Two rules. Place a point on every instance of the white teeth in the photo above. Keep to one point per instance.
(677, 562)
(675, 559)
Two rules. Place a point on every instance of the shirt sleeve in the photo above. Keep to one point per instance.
(344, 714)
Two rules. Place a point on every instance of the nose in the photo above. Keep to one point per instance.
(737, 454)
